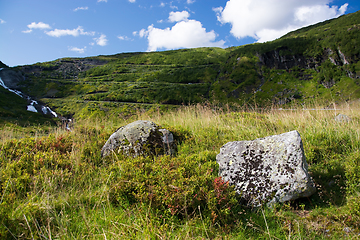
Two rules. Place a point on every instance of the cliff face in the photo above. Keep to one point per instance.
(274, 59)
(63, 68)
(11, 78)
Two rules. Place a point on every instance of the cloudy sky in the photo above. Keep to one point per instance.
(44, 30)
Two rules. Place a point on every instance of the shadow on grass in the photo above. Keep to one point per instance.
(331, 190)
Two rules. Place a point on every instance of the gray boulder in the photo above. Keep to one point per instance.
(342, 118)
(140, 138)
(267, 170)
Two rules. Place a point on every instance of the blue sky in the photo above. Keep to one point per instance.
(44, 30)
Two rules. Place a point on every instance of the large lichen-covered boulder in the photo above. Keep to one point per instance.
(267, 170)
(140, 138)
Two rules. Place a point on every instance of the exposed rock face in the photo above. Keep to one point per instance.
(140, 138)
(11, 78)
(64, 68)
(267, 170)
(274, 59)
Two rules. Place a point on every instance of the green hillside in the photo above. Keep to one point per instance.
(13, 109)
(318, 63)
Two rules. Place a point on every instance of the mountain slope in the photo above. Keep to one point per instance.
(319, 62)
(2, 65)
(13, 109)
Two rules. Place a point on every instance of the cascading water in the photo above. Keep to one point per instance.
(33, 106)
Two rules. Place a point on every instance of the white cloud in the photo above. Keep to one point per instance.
(172, 6)
(190, 1)
(101, 41)
(78, 50)
(218, 11)
(143, 33)
(162, 4)
(126, 38)
(178, 16)
(80, 8)
(102, 1)
(72, 32)
(132, 1)
(2, 21)
(34, 25)
(39, 25)
(267, 20)
(184, 34)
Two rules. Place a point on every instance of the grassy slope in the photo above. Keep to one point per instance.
(13, 109)
(59, 187)
(231, 75)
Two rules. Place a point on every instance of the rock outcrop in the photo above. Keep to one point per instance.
(63, 68)
(275, 59)
(140, 138)
(283, 58)
(11, 78)
(267, 170)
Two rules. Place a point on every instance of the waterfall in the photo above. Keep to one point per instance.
(33, 106)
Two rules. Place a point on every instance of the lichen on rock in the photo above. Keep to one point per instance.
(140, 138)
(267, 170)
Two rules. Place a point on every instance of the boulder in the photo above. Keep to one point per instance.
(267, 170)
(140, 138)
(342, 118)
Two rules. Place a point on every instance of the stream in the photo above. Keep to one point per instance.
(33, 106)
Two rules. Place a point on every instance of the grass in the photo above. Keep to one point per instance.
(54, 185)
(249, 74)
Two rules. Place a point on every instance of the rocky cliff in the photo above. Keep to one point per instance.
(63, 68)
(12, 78)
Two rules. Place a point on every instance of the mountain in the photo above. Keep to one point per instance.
(2, 65)
(317, 63)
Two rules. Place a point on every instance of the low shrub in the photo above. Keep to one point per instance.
(175, 186)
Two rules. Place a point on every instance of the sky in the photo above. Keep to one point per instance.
(34, 31)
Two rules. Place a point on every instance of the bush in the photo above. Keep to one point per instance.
(178, 186)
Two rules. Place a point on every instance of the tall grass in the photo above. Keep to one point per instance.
(56, 186)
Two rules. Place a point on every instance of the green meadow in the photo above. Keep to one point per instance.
(55, 185)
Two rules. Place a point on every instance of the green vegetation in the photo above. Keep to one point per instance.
(13, 110)
(57, 186)
(317, 62)
(54, 185)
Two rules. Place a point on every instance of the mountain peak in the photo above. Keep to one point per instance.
(2, 65)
